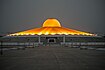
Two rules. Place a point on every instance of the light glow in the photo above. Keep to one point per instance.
(51, 23)
(52, 27)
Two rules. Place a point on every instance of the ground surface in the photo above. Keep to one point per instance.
(52, 58)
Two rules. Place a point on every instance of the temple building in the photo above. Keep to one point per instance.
(52, 33)
(51, 27)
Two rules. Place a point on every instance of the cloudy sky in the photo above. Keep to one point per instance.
(84, 15)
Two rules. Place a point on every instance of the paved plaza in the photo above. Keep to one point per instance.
(53, 58)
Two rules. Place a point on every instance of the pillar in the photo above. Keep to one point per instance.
(1, 48)
(39, 39)
(64, 39)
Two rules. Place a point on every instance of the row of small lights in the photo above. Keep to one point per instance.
(51, 34)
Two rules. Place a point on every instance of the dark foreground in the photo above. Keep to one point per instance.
(52, 58)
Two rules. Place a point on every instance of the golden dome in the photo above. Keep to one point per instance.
(51, 23)
(51, 27)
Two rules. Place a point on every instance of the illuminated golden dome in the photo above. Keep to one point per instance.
(51, 27)
(51, 23)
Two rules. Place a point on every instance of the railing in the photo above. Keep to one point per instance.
(16, 43)
(83, 43)
(37, 43)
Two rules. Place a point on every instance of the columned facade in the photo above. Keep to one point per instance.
(45, 40)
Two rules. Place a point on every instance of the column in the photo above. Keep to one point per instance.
(39, 39)
(1, 51)
(64, 39)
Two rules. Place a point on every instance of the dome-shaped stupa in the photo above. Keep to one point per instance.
(51, 23)
(51, 27)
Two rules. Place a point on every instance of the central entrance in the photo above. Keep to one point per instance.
(51, 40)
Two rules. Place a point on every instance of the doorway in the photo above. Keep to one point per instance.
(51, 40)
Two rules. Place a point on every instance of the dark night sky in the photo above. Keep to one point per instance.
(84, 15)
